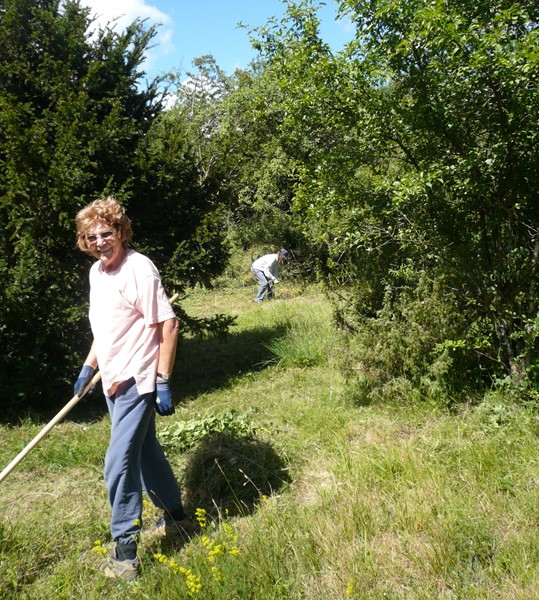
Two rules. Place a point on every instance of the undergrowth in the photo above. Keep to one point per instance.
(181, 436)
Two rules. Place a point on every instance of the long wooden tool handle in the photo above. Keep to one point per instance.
(29, 447)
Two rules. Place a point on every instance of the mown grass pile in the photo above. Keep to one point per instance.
(301, 491)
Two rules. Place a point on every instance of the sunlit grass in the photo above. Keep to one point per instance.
(308, 339)
(403, 501)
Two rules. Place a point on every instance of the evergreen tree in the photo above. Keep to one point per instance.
(75, 123)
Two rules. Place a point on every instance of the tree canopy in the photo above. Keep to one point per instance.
(416, 162)
(76, 122)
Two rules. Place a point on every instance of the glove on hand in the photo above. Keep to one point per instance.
(85, 376)
(275, 280)
(163, 400)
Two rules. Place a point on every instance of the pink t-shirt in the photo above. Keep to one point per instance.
(125, 307)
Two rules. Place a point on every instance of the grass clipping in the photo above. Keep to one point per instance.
(232, 473)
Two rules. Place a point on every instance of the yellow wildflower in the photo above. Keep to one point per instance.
(214, 551)
(98, 549)
(194, 585)
(201, 517)
(232, 537)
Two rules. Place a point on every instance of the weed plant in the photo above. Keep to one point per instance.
(304, 492)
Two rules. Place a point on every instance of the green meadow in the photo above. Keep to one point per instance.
(302, 490)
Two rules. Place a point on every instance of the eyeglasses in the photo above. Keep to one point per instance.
(92, 238)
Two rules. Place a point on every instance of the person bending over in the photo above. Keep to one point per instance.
(265, 271)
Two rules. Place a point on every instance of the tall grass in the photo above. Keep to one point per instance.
(305, 493)
(308, 340)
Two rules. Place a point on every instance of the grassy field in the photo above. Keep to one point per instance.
(303, 493)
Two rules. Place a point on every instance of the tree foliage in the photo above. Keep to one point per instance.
(75, 123)
(418, 165)
(233, 126)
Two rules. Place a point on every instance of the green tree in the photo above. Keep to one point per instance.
(422, 165)
(75, 123)
(233, 127)
(185, 235)
(458, 112)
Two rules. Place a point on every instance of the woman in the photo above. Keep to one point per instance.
(134, 344)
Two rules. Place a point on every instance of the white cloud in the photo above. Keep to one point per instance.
(126, 11)
(120, 13)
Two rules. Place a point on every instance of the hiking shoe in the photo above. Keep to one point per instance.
(128, 570)
(171, 530)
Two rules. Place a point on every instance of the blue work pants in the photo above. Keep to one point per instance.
(135, 461)
(263, 285)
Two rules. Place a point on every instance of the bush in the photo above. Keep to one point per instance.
(415, 339)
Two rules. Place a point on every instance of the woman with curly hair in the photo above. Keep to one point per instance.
(134, 345)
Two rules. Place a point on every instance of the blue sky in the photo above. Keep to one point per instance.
(192, 28)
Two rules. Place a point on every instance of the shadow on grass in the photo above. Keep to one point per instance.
(228, 473)
(204, 365)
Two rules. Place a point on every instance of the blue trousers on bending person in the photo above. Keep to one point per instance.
(264, 285)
